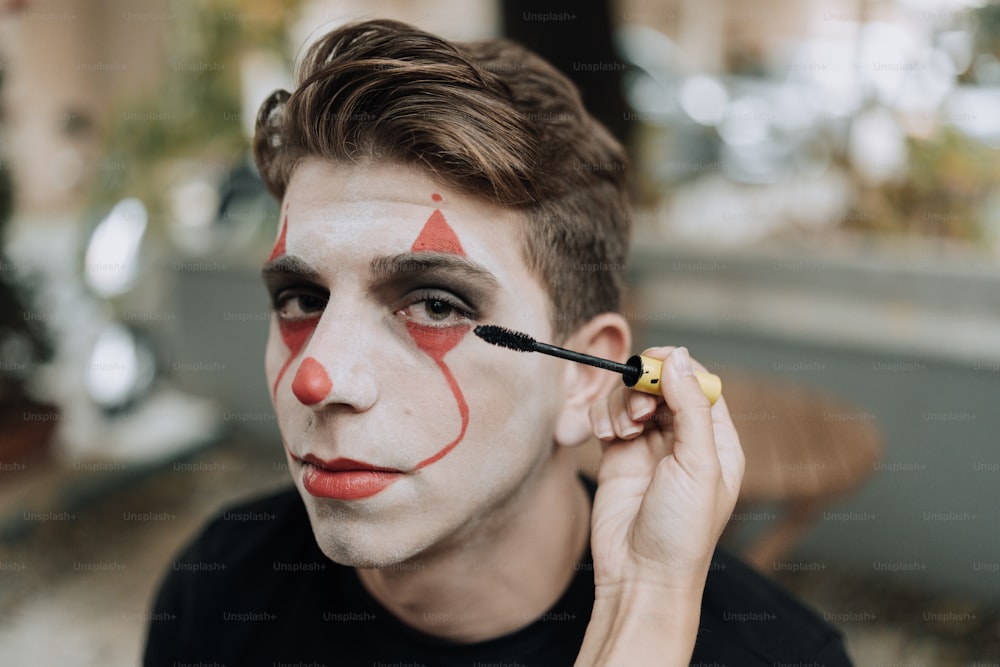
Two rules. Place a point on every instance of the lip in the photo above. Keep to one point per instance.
(345, 479)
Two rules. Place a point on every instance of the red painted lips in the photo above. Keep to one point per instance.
(345, 479)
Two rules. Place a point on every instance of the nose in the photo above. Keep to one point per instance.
(336, 366)
(311, 384)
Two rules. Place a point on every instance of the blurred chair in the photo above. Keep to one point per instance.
(805, 449)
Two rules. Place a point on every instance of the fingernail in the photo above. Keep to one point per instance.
(603, 430)
(639, 406)
(681, 361)
(632, 429)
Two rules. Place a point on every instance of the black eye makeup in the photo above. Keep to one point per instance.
(437, 307)
(435, 289)
(299, 303)
(294, 287)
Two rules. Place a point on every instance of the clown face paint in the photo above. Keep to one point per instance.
(382, 276)
(438, 236)
(294, 333)
(311, 384)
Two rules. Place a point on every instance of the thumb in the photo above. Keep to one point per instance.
(694, 435)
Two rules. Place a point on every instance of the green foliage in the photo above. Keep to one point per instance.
(195, 114)
(947, 186)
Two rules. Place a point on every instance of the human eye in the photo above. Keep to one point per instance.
(437, 308)
(297, 303)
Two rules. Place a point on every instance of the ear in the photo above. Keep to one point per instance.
(607, 336)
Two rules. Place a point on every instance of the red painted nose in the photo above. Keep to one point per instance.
(311, 384)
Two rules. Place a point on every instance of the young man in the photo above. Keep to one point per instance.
(437, 517)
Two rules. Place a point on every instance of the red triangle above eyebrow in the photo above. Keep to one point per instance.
(279, 247)
(437, 236)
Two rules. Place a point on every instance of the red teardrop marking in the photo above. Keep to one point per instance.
(294, 333)
(311, 384)
(279, 247)
(436, 342)
(436, 197)
(463, 410)
(437, 236)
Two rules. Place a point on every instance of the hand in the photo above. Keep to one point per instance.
(669, 478)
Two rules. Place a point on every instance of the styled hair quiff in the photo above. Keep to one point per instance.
(486, 118)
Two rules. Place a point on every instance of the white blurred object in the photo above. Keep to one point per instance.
(717, 212)
(925, 89)
(166, 424)
(704, 99)
(653, 99)
(975, 111)
(651, 84)
(888, 55)
(828, 69)
(958, 45)
(121, 367)
(646, 48)
(194, 207)
(746, 121)
(111, 266)
(91, 357)
(877, 147)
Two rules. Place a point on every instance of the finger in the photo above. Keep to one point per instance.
(600, 420)
(727, 444)
(640, 406)
(694, 434)
(625, 427)
(727, 441)
(620, 458)
(659, 441)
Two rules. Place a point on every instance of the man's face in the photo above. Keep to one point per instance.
(377, 278)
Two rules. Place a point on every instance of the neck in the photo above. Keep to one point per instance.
(513, 568)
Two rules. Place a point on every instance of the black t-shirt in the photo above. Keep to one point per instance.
(254, 589)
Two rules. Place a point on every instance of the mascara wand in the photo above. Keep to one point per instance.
(639, 372)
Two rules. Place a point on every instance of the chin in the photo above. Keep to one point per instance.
(362, 543)
(377, 554)
(350, 555)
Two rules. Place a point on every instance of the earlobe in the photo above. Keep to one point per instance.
(606, 335)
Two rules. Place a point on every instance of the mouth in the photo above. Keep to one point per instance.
(345, 479)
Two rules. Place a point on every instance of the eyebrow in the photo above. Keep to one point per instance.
(387, 268)
(289, 264)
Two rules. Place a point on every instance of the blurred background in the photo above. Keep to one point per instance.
(817, 217)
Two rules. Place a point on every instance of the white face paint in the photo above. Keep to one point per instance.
(382, 367)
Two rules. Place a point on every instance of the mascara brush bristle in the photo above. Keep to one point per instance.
(515, 340)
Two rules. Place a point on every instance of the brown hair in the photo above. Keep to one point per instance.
(486, 118)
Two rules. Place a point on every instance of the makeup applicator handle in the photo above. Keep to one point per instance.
(644, 375)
